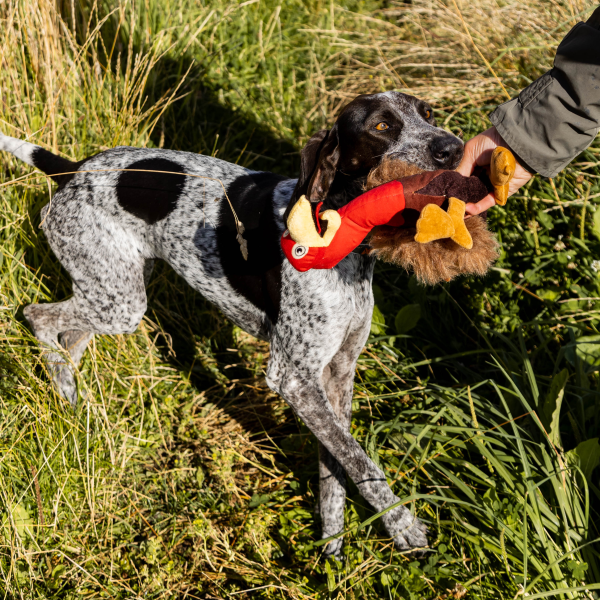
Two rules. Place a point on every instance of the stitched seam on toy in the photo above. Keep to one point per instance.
(317, 219)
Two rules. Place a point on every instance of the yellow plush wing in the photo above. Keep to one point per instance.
(302, 226)
(433, 224)
(456, 210)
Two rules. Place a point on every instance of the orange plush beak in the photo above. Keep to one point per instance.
(303, 230)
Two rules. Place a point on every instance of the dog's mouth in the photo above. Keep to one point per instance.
(437, 261)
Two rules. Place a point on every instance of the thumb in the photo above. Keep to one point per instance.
(478, 151)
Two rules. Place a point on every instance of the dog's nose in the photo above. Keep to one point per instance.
(446, 151)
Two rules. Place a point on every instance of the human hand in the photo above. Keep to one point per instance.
(478, 153)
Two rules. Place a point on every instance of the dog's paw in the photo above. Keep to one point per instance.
(413, 537)
(334, 550)
(63, 378)
(405, 529)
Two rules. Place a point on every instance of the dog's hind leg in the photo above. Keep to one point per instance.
(51, 323)
(74, 323)
(109, 297)
(75, 343)
(148, 268)
(338, 380)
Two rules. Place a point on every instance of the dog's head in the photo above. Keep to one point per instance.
(373, 130)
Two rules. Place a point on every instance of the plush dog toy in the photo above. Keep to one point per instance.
(408, 223)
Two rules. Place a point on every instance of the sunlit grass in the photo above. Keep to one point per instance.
(181, 474)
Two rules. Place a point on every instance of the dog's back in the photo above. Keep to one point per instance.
(182, 207)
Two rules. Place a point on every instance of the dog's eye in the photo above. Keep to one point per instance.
(382, 126)
(427, 114)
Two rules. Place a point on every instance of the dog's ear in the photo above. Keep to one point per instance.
(308, 159)
(318, 161)
(325, 168)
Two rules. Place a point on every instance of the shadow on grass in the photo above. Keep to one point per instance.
(199, 122)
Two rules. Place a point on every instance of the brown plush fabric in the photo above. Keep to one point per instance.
(437, 261)
(389, 170)
(453, 184)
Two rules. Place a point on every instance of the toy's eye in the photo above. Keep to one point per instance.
(299, 251)
(382, 126)
(427, 114)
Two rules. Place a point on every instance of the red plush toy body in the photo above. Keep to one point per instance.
(391, 204)
(379, 206)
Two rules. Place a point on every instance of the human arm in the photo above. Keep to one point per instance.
(553, 119)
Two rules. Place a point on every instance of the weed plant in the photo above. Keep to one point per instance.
(180, 475)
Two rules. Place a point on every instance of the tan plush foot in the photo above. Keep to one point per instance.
(502, 169)
(501, 194)
(302, 226)
(456, 210)
(433, 224)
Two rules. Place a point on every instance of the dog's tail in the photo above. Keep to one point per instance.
(38, 157)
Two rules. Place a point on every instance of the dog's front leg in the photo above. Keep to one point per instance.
(332, 478)
(338, 381)
(306, 395)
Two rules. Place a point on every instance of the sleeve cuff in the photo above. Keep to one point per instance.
(511, 141)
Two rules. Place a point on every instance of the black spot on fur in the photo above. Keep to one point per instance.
(150, 196)
(259, 278)
(53, 165)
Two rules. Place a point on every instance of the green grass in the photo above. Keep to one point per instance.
(182, 475)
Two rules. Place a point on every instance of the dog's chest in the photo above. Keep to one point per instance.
(321, 308)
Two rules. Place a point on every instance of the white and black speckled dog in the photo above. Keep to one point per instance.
(107, 227)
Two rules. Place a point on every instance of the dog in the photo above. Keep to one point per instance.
(115, 213)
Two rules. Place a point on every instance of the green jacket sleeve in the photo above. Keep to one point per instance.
(557, 116)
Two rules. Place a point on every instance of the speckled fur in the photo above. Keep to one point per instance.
(324, 317)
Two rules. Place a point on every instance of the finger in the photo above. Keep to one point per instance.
(481, 206)
(467, 166)
(469, 162)
(478, 153)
